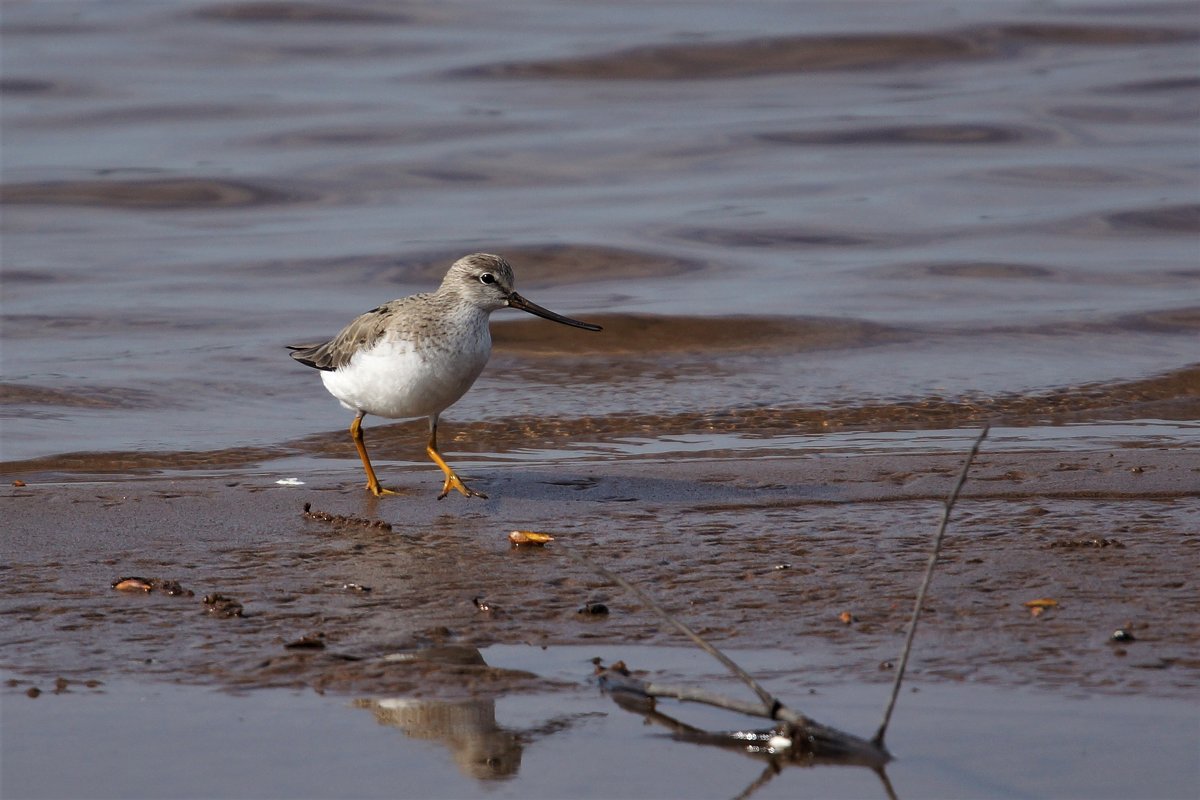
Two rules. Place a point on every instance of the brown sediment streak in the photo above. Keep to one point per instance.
(798, 54)
(1175, 395)
(1182, 83)
(788, 237)
(1164, 219)
(988, 270)
(751, 57)
(349, 135)
(77, 397)
(1095, 35)
(298, 12)
(159, 195)
(941, 135)
(28, 86)
(1167, 220)
(143, 462)
(1084, 175)
(648, 335)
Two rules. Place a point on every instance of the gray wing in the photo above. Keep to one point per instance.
(362, 333)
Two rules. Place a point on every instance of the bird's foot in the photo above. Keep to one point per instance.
(454, 482)
(379, 491)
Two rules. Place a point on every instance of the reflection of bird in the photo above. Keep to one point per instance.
(481, 748)
(416, 356)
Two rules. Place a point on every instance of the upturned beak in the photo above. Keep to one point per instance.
(516, 301)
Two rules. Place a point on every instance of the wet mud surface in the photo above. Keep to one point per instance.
(817, 556)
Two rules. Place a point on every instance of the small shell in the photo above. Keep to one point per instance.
(132, 584)
(533, 538)
(1041, 602)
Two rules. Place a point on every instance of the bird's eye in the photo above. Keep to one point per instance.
(487, 278)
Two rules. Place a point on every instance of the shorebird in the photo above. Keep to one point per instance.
(416, 356)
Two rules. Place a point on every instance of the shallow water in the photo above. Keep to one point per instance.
(574, 742)
(789, 208)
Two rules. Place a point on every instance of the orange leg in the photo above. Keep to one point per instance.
(452, 480)
(357, 436)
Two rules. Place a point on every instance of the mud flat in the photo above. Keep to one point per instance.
(424, 615)
(762, 552)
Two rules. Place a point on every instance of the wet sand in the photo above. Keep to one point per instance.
(756, 552)
(406, 614)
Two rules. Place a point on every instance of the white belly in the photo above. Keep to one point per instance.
(398, 380)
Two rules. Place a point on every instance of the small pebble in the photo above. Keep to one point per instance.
(221, 606)
(312, 641)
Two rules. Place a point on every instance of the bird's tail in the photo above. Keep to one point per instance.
(310, 356)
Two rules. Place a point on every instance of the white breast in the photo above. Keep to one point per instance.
(400, 378)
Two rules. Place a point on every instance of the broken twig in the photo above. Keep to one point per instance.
(921, 592)
(771, 703)
(796, 737)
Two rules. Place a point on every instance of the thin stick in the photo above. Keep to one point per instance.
(688, 695)
(933, 557)
(770, 703)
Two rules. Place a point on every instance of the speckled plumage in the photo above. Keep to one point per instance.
(416, 356)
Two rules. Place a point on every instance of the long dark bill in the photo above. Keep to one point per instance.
(516, 301)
